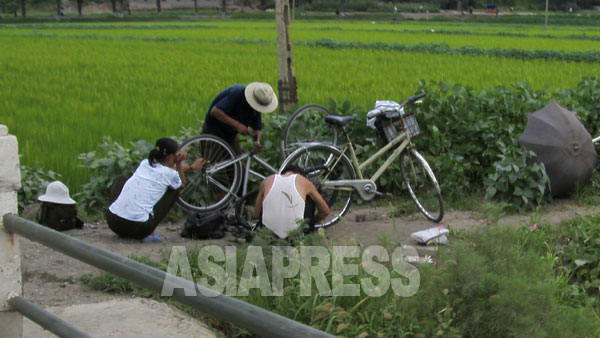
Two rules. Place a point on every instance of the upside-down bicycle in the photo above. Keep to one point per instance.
(218, 182)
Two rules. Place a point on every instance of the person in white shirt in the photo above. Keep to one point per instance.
(148, 195)
(283, 200)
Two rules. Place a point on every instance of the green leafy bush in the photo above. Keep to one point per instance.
(578, 246)
(112, 162)
(467, 131)
(468, 137)
(515, 181)
(523, 54)
(33, 184)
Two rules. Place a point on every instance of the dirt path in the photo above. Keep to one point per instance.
(53, 279)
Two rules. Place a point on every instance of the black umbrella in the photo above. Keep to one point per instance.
(563, 144)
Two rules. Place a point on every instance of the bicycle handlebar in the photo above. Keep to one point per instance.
(414, 98)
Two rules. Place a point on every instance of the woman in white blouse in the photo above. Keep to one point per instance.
(150, 192)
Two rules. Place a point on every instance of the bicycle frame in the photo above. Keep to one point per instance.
(247, 157)
(401, 142)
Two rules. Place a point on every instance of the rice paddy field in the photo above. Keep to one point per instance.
(63, 87)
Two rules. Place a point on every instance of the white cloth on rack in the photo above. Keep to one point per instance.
(390, 108)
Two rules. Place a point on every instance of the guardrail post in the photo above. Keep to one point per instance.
(11, 322)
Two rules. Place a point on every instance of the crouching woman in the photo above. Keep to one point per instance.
(148, 195)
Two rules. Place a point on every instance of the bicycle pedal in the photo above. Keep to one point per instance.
(385, 195)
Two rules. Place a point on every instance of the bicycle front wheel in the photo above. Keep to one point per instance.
(325, 164)
(422, 185)
(214, 185)
(307, 124)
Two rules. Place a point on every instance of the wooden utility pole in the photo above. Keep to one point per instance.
(546, 19)
(287, 81)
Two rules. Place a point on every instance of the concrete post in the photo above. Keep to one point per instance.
(287, 81)
(11, 322)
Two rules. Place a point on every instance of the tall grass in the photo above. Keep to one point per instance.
(492, 282)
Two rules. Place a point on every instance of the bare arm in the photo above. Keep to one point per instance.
(196, 165)
(259, 200)
(257, 146)
(223, 117)
(181, 168)
(322, 207)
(181, 173)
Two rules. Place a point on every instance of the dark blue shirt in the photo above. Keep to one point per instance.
(233, 102)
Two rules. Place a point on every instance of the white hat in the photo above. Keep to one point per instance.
(260, 96)
(56, 192)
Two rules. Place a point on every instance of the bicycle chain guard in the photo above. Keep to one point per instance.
(366, 189)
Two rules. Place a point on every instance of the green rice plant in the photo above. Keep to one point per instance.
(304, 33)
(147, 80)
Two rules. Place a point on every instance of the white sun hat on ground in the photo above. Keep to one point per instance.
(57, 192)
(261, 97)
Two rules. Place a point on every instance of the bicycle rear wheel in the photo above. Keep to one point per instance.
(312, 159)
(307, 124)
(214, 185)
(422, 185)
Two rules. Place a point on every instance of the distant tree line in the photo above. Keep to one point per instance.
(554, 5)
(19, 7)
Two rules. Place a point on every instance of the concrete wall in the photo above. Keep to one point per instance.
(11, 322)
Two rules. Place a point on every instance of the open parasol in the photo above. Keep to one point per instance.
(563, 144)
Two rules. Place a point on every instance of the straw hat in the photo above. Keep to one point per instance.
(56, 192)
(261, 97)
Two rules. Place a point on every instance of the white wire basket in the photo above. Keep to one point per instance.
(391, 128)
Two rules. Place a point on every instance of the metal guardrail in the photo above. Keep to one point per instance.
(243, 315)
(45, 319)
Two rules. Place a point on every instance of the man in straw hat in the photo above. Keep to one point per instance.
(235, 109)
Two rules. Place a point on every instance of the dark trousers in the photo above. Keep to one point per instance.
(138, 230)
(309, 213)
(234, 143)
(237, 149)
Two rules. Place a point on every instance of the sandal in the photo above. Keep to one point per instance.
(153, 239)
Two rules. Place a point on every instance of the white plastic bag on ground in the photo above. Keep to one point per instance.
(435, 235)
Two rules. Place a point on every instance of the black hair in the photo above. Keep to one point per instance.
(293, 168)
(163, 148)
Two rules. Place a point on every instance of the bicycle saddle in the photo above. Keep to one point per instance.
(338, 120)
